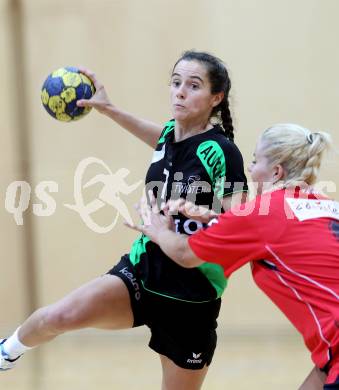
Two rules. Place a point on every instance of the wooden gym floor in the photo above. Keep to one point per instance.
(122, 361)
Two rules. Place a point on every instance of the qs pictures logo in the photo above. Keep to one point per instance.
(114, 185)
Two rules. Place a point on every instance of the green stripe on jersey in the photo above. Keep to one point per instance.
(169, 126)
(213, 159)
(138, 248)
(215, 274)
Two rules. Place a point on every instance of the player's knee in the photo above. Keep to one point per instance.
(56, 319)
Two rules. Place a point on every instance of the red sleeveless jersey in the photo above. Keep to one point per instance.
(292, 239)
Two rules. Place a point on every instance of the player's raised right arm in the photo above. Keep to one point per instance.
(145, 130)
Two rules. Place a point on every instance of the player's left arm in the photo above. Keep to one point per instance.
(176, 247)
(231, 242)
(159, 228)
(173, 245)
(221, 243)
(201, 213)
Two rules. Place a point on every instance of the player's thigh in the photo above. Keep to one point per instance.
(101, 303)
(177, 378)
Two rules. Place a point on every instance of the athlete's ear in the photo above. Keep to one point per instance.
(217, 98)
(278, 173)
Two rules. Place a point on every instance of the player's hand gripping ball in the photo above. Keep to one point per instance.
(62, 89)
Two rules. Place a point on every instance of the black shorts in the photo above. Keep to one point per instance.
(332, 386)
(185, 332)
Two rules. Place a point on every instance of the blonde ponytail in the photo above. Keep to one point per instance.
(297, 150)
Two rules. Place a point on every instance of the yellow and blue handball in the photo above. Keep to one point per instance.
(61, 91)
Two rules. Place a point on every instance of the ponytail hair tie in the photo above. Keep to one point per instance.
(309, 138)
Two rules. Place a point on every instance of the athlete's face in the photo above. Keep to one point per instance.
(263, 174)
(191, 98)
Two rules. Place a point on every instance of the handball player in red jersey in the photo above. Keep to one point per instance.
(289, 233)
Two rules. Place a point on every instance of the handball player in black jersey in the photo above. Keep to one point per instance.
(194, 158)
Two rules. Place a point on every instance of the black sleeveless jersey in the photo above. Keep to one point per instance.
(203, 169)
